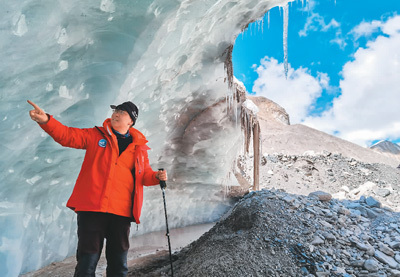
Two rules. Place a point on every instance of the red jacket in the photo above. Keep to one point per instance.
(105, 182)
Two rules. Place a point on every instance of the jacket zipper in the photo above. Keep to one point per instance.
(134, 189)
(109, 169)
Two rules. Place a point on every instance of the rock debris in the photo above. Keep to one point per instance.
(348, 225)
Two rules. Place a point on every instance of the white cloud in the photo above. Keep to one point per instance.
(392, 26)
(296, 94)
(368, 108)
(366, 29)
(339, 40)
(316, 23)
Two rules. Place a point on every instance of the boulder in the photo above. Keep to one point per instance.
(385, 259)
(321, 195)
(317, 241)
(372, 202)
(371, 265)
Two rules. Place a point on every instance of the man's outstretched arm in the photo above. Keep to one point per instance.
(64, 135)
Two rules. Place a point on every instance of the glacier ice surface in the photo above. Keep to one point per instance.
(74, 59)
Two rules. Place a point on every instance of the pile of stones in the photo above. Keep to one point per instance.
(316, 215)
(275, 233)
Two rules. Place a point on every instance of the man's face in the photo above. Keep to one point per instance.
(121, 121)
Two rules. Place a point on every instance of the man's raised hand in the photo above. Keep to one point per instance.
(37, 114)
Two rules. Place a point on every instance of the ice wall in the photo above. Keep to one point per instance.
(74, 58)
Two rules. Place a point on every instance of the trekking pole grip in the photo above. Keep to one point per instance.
(163, 184)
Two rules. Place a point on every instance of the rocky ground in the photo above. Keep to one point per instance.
(300, 232)
(344, 178)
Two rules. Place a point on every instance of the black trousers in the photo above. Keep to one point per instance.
(93, 228)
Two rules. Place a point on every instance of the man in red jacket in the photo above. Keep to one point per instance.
(108, 194)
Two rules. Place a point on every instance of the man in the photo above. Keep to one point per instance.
(108, 193)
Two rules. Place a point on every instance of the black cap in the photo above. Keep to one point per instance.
(130, 108)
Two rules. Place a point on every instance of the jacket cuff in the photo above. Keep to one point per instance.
(155, 180)
(49, 125)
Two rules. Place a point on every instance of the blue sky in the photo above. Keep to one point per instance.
(344, 66)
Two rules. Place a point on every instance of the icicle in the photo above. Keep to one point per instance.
(251, 127)
(256, 154)
(262, 25)
(226, 186)
(226, 103)
(230, 100)
(251, 29)
(268, 20)
(235, 102)
(305, 1)
(285, 37)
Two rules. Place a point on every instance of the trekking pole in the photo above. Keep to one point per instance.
(163, 185)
